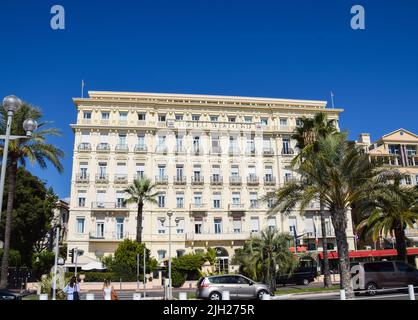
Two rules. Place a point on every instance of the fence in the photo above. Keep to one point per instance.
(410, 289)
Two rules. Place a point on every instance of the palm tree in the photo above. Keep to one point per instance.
(345, 176)
(141, 191)
(264, 256)
(36, 150)
(306, 137)
(390, 211)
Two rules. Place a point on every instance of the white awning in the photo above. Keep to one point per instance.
(95, 265)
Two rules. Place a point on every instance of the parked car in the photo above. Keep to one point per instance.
(303, 275)
(239, 287)
(9, 295)
(372, 276)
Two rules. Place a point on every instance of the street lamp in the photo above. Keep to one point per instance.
(11, 104)
(170, 293)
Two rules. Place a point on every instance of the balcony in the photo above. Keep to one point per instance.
(161, 149)
(234, 151)
(235, 180)
(286, 128)
(211, 236)
(216, 151)
(123, 122)
(161, 179)
(121, 179)
(268, 152)
(82, 178)
(180, 150)
(311, 234)
(109, 236)
(122, 148)
(288, 152)
(197, 180)
(103, 147)
(84, 147)
(140, 148)
(139, 176)
(216, 180)
(102, 178)
(106, 206)
(412, 161)
(180, 179)
(250, 151)
(198, 207)
(197, 151)
(236, 207)
(141, 123)
(252, 180)
(269, 180)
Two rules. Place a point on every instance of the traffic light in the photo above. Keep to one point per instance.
(75, 252)
(71, 254)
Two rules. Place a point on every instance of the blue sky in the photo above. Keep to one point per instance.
(285, 49)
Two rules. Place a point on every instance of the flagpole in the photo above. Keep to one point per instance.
(332, 100)
(82, 88)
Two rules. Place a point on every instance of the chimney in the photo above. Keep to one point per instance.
(364, 138)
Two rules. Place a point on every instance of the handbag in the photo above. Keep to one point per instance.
(113, 295)
(76, 295)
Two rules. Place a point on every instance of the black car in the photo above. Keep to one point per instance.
(304, 275)
(9, 295)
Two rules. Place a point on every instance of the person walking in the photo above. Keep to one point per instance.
(72, 289)
(109, 292)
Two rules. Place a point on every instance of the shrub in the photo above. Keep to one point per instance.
(15, 259)
(43, 262)
(178, 278)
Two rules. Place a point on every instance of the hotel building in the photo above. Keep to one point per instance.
(211, 157)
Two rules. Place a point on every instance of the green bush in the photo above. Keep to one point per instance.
(43, 262)
(178, 278)
(15, 259)
(189, 265)
(96, 276)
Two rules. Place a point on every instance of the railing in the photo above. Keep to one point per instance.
(141, 123)
(216, 150)
(288, 151)
(122, 148)
(197, 150)
(253, 180)
(268, 152)
(236, 206)
(235, 180)
(233, 151)
(140, 148)
(84, 146)
(161, 149)
(121, 178)
(215, 180)
(190, 236)
(161, 179)
(102, 178)
(180, 150)
(95, 235)
(269, 180)
(108, 205)
(198, 180)
(250, 151)
(198, 206)
(104, 147)
(82, 177)
(139, 176)
(180, 179)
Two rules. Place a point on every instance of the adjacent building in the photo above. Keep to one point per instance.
(212, 159)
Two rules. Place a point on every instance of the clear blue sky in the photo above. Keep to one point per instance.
(285, 49)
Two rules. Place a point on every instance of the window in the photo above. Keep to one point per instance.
(232, 119)
(197, 198)
(408, 180)
(411, 151)
(403, 267)
(268, 173)
(217, 225)
(379, 267)
(393, 149)
(196, 172)
(283, 121)
(287, 177)
(270, 202)
(237, 224)
(233, 143)
(85, 137)
(100, 228)
(253, 199)
(250, 145)
(161, 200)
(271, 223)
(123, 116)
(140, 168)
(161, 117)
(121, 169)
(266, 144)
(81, 198)
(180, 200)
(292, 225)
(215, 141)
(119, 228)
(196, 144)
(161, 254)
(179, 142)
(179, 172)
(236, 198)
(198, 225)
(141, 140)
(83, 170)
(101, 196)
(217, 200)
(251, 172)
(299, 122)
(416, 179)
(80, 225)
(87, 115)
(161, 225)
(286, 146)
(179, 117)
(195, 117)
(122, 139)
(180, 225)
(161, 171)
(120, 199)
(254, 223)
(248, 119)
(105, 115)
(214, 118)
(216, 173)
(141, 116)
(161, 141)
(102, 170)
(264, 121)
(234, 171)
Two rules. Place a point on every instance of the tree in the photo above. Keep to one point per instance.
(141, 191)
(306, 137)
(31, 216)
(42, 262)
(189, 265)
(124, 261)
(36, 150)
(390, 210)
(346, 176)
(264, 257)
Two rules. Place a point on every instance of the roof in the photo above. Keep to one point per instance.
(369, 253)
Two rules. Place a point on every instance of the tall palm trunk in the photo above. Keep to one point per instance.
(340, 226)
(139, 222)
(327, 275)
(400, 242)
(11, 174)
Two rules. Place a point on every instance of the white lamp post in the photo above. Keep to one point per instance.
(170, 292)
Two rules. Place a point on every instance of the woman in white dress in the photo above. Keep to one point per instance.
(72, 289)
(107, 290)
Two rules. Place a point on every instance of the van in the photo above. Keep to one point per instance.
(371, 276)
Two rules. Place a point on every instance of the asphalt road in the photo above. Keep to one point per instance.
(382, 296)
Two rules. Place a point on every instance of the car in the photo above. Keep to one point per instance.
(239, 287)
(303, 275)
(372, 276)
(9, 295)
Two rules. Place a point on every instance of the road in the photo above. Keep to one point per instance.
(336, 296)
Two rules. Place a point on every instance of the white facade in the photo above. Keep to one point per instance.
(212, 157)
